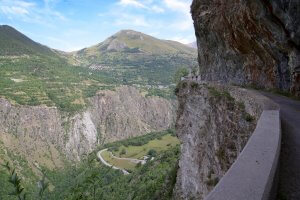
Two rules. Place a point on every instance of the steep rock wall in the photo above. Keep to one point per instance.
(213, 123)
(112, 115)
(116, 115)
(249, 42)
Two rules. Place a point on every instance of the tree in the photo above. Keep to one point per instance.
(152, 153)
(181, 72)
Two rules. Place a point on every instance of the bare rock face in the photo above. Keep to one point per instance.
(249, 42)
(213, 123)
(125, 112)
(34, 133)
(111, 116)
(116, 115)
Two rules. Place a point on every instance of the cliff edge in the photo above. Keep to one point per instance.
(252, 42)
(214, 123)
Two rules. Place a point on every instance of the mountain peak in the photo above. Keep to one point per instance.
(128, 31)
(6, 26)
(131, 41)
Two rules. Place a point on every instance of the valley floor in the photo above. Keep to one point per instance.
(126, 158)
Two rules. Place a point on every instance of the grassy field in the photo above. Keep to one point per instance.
(123, 164)
(137, 152)
(158, 145)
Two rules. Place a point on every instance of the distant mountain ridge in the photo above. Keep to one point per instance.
(150, 60)
(130, 41)
(28, 68)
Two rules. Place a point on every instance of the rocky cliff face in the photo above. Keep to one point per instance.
(112, 115)
(213, 123)
(249, 42)
(116, 115)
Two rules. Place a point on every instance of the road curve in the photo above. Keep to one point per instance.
(289, 169)
(109, 165)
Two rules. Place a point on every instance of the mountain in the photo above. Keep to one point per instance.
(137, 58)
(14, 43)
(193, 45)
(33, 74)
(53, 114)
(130, 41)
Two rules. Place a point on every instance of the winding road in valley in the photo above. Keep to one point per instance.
(289, 169)
(109, 165)
(117, 168)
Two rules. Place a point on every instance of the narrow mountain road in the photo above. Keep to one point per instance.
(289, 169)
(109, 165)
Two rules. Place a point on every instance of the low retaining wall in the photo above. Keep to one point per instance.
(252, 175)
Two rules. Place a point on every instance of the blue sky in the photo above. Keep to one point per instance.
(74, 24)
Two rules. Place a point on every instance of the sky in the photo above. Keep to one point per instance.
(71, 25)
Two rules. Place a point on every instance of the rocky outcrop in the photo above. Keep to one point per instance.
(213, 123)
(112, 115)
(116, 115)
(126, 112)
(249, 42)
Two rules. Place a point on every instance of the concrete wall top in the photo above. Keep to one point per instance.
(252, 175)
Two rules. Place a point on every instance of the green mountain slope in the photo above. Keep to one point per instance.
(129, 41)
(14, 43)
(137, 58)
(33, 74)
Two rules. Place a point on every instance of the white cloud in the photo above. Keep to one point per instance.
(131, 20)
(30, 12)
(14, 10)
(144, 4)
(178, 6)
(182, 25)
(183, 40)
(157, 9)
(23, 4)
(16, 7)
(185, 23)
(132, 3)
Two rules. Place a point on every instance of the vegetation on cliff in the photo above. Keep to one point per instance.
(32, 74)
(89, 179)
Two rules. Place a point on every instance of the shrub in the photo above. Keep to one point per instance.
(248, 117)
(181, 72)
(123, 152)
(152, 153)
